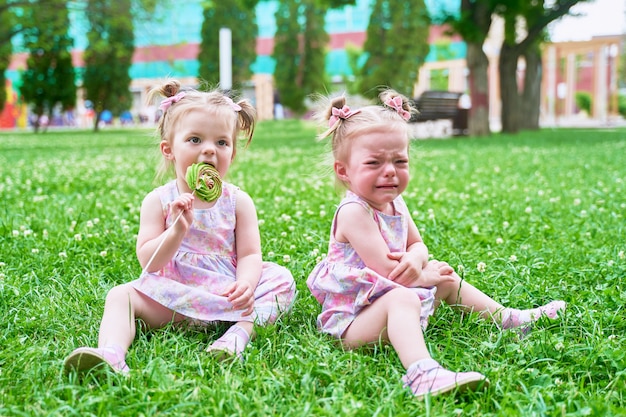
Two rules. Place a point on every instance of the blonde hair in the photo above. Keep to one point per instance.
(346, 124)
(181, 102)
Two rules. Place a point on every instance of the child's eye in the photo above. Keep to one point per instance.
(371, 163)
(222, 142)
(194, 139)
(402, 162)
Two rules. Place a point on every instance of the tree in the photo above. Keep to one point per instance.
(524, 43)
(299, 51)
(241, 19)
(108, 56)
(473, 25)
(396, 46)
(49, 78)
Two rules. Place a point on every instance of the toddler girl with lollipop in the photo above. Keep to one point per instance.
(377, 281)
(198, 241)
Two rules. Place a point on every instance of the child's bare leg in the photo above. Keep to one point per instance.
(461, 294)
(394, 317)
(122, 306)
(118, 328)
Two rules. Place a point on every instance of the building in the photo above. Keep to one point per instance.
(168, 44)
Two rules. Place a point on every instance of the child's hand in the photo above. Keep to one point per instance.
(435, 273)
(241, 295)
(184, 203)
(408, 270)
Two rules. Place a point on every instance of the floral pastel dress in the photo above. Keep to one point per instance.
(191, 284)
(343, 285)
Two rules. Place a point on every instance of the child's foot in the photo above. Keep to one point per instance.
(428, 377)
(85, 358)
(232, 343)
(513, 318)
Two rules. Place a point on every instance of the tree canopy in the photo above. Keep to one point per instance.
(299, 51)
(108, 56)
(241, 19)
(49, 78)
(396, 46)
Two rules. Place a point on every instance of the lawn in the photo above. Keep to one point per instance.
(526, 218)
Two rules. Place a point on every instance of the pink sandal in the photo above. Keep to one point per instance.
(86, 358)
(427, 377)
(550, 310)
(232, 343)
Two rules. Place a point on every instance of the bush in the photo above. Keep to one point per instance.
(583, 101)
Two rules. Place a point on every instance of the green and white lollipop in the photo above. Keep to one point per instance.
(205, 181)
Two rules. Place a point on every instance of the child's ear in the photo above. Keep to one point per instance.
(166, 150)
(340, 171)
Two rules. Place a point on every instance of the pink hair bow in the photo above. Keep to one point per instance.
(396, 104)
(166, 103)
(232, 104)
(342, 113)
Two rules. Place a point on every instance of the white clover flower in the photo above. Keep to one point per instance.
(286, 259)
(499, 241)
(481, 267)
(512, 258)
(315, 252)
(611, 337)
(558, 381)
(28, 232)
(528, 210)
(322, 213)
(16, 233)
(126, 228)
(559, 346)
(2, 264)
(89, 223)
(291, 228)
(78, 237)
(475, 229)
(270, 254)
(621, 254)
(610, 262)
(505, 224)
(577, 201)
(62, 254)
(283, 234)
(460, 268)
(34, 250)
(103, 253)
(583, 213)
(308, 238)
(261, 222)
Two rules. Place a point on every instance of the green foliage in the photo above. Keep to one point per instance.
(108, 56)
(68, 226)
(583, 101)
(242, 21)
(621, 105)
(49, 78)
(299, 51)
(396, 46)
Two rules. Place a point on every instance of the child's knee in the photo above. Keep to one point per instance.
(404, 297)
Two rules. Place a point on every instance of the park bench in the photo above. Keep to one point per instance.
(441, 105)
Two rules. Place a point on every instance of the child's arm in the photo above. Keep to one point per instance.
(413, 268)
(249, 260)
(152, 229)
(355, 225)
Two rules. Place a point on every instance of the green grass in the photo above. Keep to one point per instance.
(544, 212)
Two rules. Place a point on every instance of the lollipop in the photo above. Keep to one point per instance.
(205, 180)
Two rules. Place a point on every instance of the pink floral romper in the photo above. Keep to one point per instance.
(191, 283)
(343, 285)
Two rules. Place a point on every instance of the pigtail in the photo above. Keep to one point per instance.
(246, 119)
(398, 103)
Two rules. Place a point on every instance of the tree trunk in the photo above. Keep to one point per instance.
(509, 94)
(531, 97)
(478, 64)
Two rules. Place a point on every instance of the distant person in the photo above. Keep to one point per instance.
(209, 267)
(377, 282)
(279, 111)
